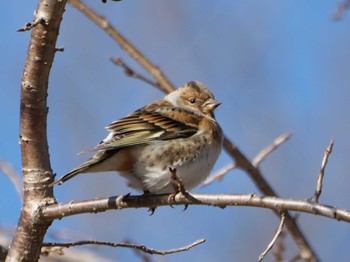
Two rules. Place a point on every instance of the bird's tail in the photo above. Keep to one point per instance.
(70, 175)
(84, 168)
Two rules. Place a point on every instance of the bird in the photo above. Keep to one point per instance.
(178, 132)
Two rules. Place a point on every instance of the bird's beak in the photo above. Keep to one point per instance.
(212, 104)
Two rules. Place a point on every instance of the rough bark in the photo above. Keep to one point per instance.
(36, 166)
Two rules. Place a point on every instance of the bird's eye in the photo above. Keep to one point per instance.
(192, 100)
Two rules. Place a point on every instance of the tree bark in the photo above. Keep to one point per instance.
(36, 168)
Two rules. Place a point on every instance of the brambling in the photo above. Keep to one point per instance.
(177, 132)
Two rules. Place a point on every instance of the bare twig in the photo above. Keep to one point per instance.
(319, 184)
(341, 9)
(163, 82)
(126, 245)
(279, 248)
(219, 175)
(270, 148)
(76, 255)
(273, 241)
(29, 26)
(60, 210)
(166, 86)
(131, 72)
(57, 254)
(11, 173)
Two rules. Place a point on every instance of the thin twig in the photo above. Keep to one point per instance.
(270, 148)
(319, 184)
(14, 177)
(29, 26)
(76, 255)
(273, 241)
(132, 73)
(219, 175)
(279, 249)
(163, 82)
(126, 245)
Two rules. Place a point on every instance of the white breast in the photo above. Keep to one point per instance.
(156, 179)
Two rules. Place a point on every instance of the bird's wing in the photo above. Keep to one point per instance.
(143, 127)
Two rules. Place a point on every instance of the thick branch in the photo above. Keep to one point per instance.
(37, 172)
(279, 205)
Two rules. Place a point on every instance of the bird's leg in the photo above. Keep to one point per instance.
(178, 186)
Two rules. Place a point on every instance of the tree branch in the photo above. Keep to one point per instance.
(279, 249)
(273, 241)
(60, 210)
(29, 26)
(143, 248)
(319, 184)
(36, 166)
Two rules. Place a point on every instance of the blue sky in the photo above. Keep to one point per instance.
(277, 66)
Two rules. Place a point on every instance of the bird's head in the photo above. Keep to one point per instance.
(194, 96)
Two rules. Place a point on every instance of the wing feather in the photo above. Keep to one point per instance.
(144, 127)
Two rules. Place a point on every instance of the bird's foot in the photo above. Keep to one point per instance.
(151, 209)
(178, 186)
